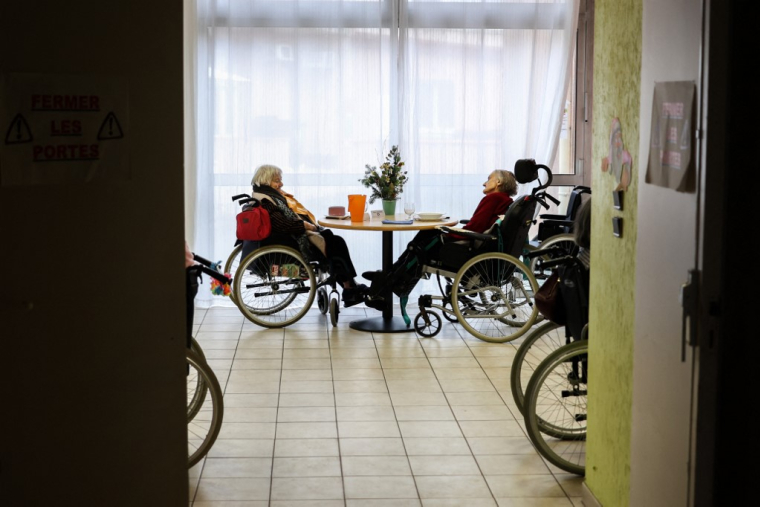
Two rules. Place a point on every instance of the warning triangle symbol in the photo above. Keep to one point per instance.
(18, 132)
(110, 129)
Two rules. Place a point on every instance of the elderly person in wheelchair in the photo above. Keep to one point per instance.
(488, 289)
(294, 226)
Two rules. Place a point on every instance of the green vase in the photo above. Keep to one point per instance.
(389, 207)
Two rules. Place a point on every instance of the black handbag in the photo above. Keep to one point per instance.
(549, 300)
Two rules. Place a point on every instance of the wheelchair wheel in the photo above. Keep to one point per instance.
(274, 287)
(450, 316)
(334, 311)
(196, 387)
(233, 261)
(555, 407)
(537, 345)
(323, 300)
(203, 429)
(566, 242)
(428, 330)
(493, 297)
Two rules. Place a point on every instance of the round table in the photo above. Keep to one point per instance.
(387, 323)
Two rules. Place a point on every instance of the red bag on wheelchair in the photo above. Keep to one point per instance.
(253, 223)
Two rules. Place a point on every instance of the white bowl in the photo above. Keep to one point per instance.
(430, 216)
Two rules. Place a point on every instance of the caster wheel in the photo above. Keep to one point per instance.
(322, 300)
(334, 311)
(428, 330)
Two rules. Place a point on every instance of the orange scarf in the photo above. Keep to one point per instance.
(297, 207)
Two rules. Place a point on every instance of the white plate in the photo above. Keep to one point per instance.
(430, 216)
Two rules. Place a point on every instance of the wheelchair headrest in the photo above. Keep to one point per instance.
(526, 171)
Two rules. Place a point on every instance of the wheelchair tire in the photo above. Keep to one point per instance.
(196, 387)
(555, 407)
(535, 347)
(428, 330)
(493, 297)
(323, 300)
(565, 241)
(203, 429)
(270, 296)
(233, 261)
(334, 311)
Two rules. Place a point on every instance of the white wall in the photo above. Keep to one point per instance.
(93, 408)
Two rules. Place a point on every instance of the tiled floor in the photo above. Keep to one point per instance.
(323, 416)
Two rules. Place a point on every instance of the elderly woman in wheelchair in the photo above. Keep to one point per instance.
(275, 283)
(487, 288)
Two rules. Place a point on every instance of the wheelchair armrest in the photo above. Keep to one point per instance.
(464, 221)
(466, 233)
(556, 223)
(552, 217)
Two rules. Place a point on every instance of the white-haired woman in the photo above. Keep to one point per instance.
(295, 226)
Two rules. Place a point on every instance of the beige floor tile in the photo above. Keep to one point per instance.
(375, 465)
(307, 386)
(414, 386)
(237, 467)
(358, 374)
(380, 487)
(379, 502)
(225, 503)
(301, 375)
(494, 350)
(307, 467)
(307, 488)
(305, 503)
(500, 445)
(475, 398)
(404, 362)
(321, 353)
(482, 413)
(259, 353)
(448, 352)
(261, 343)
(207, 345)
(409, 374)
(571, 484)
(424, 413)
(250, 400)
(373, 362)
(242, 448)
(507, 486)
(403, 351)
(306, 364)
(441, 446)
(240, 414)
(500, 373)
(362, 399)
(460, 374)
(368, 429)
(360, 386)
(305, 447)
(305, 344)
(510, 464)
(257, 364)
(232, 430)
(436, 344)
(353, 353)
(372, 413)
(306, 430)
(444, 465)
(305, 414)
(255, 376)
(491, 429)
(466, 385)
(401, 399)
(468, 486)
(458, 502)
(371, 447)
(454, 362)
(249, 488)
(429, 429)
(307, 400)
(535, 502)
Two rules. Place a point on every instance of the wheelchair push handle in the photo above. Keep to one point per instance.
(239, 196)
(211, 268)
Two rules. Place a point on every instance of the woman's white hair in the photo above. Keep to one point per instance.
(505, 181)
(265, 174)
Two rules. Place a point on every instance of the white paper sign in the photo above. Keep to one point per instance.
(63, 129)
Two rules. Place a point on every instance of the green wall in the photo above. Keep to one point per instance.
(617, 69)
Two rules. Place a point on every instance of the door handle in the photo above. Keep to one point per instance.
(689, 298)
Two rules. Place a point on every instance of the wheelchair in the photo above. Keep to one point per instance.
(553, 360)
(489, 290)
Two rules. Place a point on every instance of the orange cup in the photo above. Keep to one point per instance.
(357, 203)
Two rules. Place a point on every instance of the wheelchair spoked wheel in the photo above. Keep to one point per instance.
(323, 300)
(566, 243)
(555, 407)
(430, 328)
(204, 427)
(233, 261)
(493, 299)
(535, 347)
(196, 387)
(274, 286)
(449, 315)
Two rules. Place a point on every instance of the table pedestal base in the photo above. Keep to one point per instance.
(382, 325)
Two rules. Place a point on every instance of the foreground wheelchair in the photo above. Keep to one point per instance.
(488, 289)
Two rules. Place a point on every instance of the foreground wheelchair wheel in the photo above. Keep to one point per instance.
(203, 428)
(564, 244)
(233, 261)
(535, 347)
(274, 287)
(196, 387)
(493, 297)
(555, 407)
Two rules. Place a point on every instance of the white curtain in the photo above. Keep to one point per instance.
(323, 87)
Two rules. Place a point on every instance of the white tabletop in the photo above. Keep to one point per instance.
(376, 224)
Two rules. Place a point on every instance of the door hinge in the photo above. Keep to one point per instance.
(690, 304)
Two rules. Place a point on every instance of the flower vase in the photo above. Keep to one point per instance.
(389, 207)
